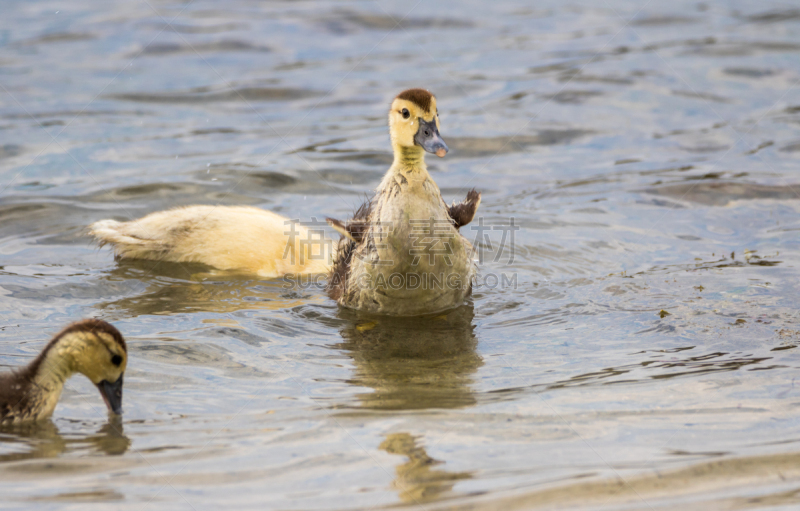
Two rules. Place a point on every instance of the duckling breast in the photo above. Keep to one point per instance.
(413, 260)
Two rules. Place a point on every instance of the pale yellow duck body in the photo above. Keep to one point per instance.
(91, 347)
(236, 238)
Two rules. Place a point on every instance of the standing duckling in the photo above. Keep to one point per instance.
(91, 347)
(402, 253)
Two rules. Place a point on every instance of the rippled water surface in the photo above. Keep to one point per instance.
(642, 351)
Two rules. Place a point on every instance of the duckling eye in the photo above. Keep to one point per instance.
(406, 113)
(116, 360)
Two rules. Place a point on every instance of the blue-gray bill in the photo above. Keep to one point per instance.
(429, 139)
(112, 394)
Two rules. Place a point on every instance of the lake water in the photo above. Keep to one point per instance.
(633, 346)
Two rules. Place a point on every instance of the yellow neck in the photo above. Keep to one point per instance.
(408, 158)
(55, 369)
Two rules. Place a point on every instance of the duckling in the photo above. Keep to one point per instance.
(91, 347)
(239, 238)
(402, 252)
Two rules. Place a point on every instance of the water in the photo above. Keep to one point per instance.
(647, 153)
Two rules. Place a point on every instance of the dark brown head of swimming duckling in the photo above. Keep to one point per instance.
(414, 122)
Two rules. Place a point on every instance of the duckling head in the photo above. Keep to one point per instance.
(414, 123)
(97, 350)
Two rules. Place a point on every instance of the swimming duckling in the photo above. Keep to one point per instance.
(238, 238)
(91, 347)
(402, 253)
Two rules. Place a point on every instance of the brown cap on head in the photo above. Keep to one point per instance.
(419, 97)
(93, 325)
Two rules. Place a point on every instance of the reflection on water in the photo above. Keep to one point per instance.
(44, 440)
(413, 363)
(171, 288)
(418, 481)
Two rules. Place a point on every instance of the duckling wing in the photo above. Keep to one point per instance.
(463, 212)
(228, 238)
(6, 397)
(14, 395)
(354, 230)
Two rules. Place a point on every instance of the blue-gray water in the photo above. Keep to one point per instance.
(648, 152)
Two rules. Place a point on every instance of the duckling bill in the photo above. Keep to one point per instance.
(91, 347)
